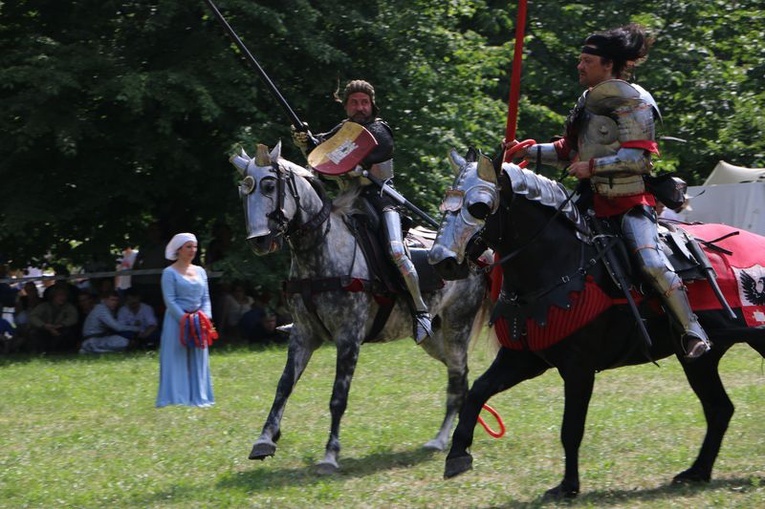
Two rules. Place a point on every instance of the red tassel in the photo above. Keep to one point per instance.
(199, 328)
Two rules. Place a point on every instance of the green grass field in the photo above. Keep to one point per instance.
(83, 432)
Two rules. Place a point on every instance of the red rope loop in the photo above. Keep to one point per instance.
(491, 432)
(521, 145)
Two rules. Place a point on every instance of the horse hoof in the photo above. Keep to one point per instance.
(327, 467)
(262, 449)
(691, 476)
(561, 492)
(457, 466)
(435, 445)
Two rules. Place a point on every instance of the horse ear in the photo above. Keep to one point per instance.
(457, 161)
(240, 161)
(472, 155)
(486, 169)
(276, 153)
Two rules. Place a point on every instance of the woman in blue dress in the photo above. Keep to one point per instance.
(184, 367)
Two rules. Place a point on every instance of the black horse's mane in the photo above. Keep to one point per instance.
(535, 187)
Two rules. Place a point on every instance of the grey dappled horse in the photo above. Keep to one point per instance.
(284, 201)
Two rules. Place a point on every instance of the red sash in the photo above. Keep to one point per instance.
(197, 330)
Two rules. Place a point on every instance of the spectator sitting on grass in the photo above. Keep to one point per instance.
(140, 314)
(102, 333)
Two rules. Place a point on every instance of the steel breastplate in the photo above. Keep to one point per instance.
(598, 136)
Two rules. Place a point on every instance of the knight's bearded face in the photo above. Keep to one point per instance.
(358, 107)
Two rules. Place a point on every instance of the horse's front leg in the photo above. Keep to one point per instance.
(704, 377)
(449, 345)
(298, 355)
(508, 369)
(347, 358)
(578, 385)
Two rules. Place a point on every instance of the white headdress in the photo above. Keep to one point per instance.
(171, 251)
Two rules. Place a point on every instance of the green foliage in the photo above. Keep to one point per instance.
(118, 113)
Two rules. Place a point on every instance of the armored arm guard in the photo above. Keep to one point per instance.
(627, 161)
(620, 129)
(547, 154)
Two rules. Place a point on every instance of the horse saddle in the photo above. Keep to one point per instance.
(366, 226)
(685, 255)
(385, 282)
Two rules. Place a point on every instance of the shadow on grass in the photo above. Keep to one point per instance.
(627, 498)
(261, 478)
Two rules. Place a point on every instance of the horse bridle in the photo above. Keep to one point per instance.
(291, 229)
(512, 254)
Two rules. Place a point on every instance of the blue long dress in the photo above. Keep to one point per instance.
(184, 371)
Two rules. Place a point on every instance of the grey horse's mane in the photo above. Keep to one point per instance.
(298, 170)
(550, 193)
(345, 203)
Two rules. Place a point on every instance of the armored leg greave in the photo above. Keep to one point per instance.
(643, 241)
(400, 256)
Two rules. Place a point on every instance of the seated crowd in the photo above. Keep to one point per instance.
(67, 319)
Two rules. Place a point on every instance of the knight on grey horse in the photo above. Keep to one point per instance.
(358, 99)
(335, 297)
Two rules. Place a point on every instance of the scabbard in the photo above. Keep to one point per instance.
(710, 274)
(615, 267)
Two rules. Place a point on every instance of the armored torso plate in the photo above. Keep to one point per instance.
(615, 112)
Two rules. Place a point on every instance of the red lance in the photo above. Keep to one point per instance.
(512, 118)
(515, 76)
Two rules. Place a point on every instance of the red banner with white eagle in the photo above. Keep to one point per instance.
(740, 274)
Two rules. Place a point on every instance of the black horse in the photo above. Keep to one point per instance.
(559, 308)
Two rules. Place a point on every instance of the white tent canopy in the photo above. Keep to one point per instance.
(732, 195)
(726, 173)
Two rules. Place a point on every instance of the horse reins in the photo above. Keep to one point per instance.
(293, 229)
(517, 251)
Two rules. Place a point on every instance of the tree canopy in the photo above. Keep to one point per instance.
(116, 114)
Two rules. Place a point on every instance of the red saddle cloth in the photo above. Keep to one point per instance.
(740, 275)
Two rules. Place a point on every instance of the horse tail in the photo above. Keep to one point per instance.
(480, 323)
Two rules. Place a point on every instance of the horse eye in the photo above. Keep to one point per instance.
(267, 185)
(479, 210)
(247, 185)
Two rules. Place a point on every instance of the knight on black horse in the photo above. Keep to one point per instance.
(608, 143)
(558, 307)
(358, 99)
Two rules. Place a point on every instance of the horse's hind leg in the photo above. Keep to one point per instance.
(508, 369)
(297, 359)
(704, 377)
(347, 358)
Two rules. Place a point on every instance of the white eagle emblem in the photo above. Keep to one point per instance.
(751, 285)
